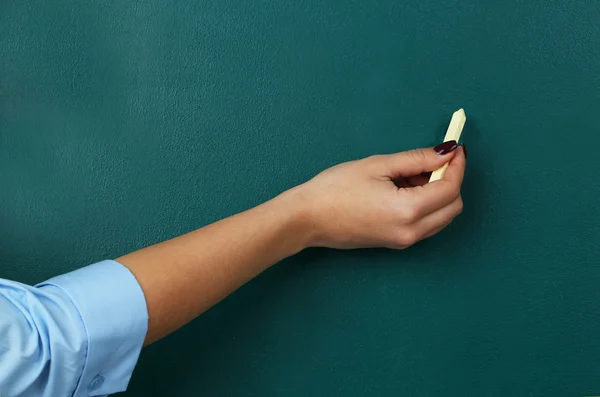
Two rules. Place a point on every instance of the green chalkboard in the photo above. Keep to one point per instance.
(126, 123)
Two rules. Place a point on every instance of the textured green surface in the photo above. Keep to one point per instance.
(126, 123)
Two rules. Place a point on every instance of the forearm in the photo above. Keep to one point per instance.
(185, 276)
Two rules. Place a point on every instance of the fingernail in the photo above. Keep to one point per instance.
(464, 149)
(446, 147)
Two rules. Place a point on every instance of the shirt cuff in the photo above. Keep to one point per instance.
(114, 312)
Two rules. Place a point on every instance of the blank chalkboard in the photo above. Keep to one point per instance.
(126, 123)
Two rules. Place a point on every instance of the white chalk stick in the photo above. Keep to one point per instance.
(452, 134)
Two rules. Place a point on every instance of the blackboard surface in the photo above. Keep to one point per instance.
(126, 123)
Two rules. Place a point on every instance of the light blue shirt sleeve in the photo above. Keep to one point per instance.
(78, 335)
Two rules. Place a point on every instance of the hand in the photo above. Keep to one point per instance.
(384, 200)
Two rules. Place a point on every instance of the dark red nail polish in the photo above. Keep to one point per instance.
(464, 149)
(446, 147)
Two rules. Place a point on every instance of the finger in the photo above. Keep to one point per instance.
(456, 169)
(416, 161)
(436, 231)
(438, 194)
(438, 220)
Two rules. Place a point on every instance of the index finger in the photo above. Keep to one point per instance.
(438, 194)
(455, 172)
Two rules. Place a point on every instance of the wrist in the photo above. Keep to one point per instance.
(294, 208)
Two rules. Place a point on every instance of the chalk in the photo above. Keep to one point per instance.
(452, 134)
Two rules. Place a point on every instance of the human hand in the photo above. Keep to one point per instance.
(384, 200)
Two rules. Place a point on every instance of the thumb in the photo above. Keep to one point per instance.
(417, 161)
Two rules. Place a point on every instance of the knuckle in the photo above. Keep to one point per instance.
(461, 204)
(455, 191)
(378, 159)
(373, 158)
(409, 214)
(407, 237)
(373, 163)
(417, 155)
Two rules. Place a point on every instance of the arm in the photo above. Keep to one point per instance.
(80, 334)
(356, 204)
